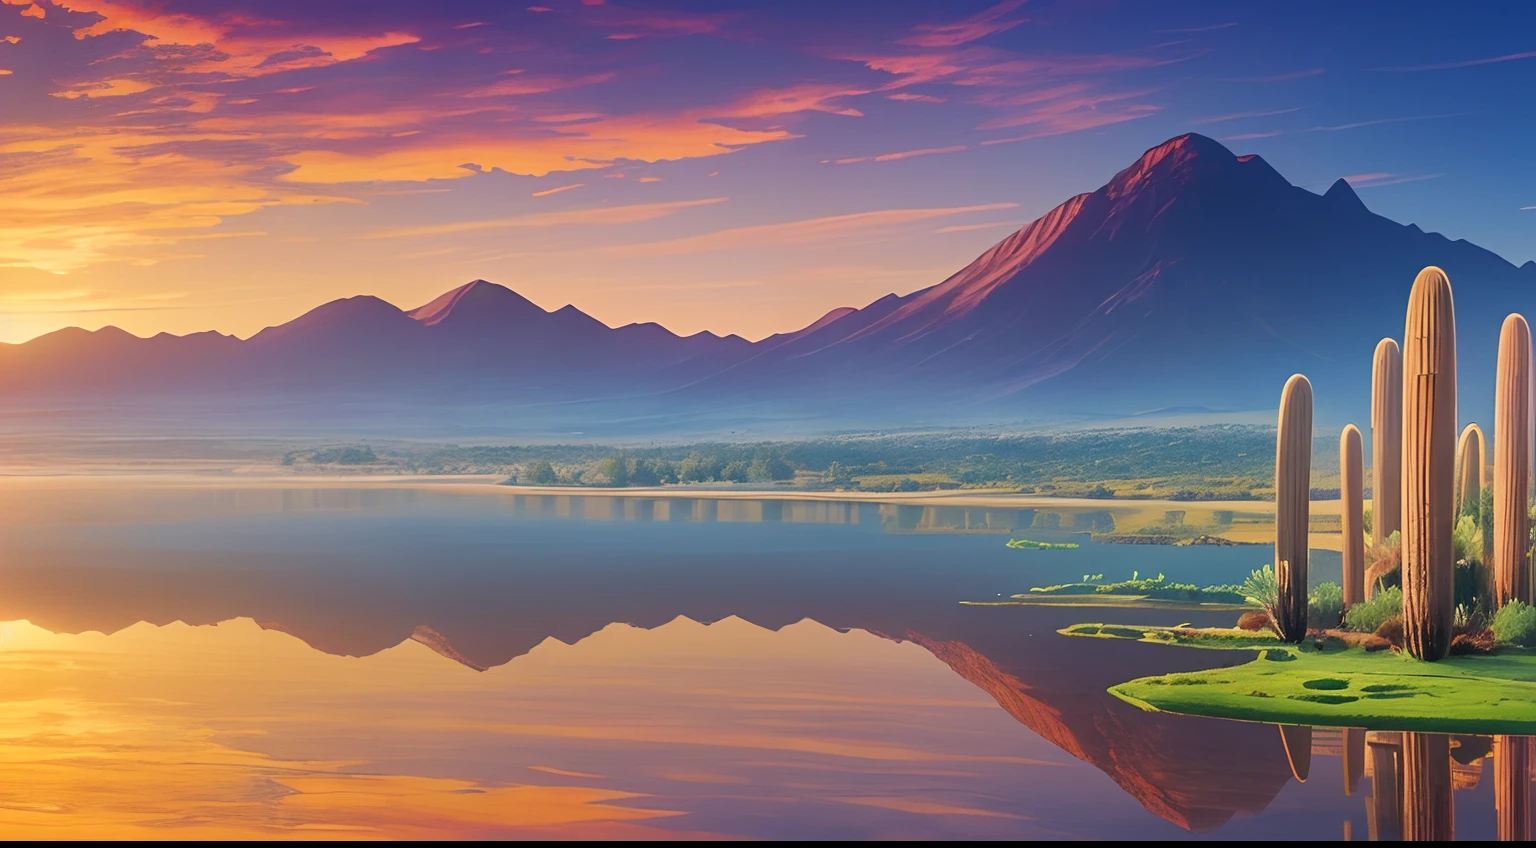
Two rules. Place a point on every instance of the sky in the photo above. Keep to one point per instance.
(744, 167)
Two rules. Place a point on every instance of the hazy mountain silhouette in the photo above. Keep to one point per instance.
(1194, 279)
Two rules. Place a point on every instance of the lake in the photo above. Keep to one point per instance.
(206, 658)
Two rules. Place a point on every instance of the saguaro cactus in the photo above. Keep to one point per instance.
(1293, 490)
(1429, 453)
(1512, 463)
(1469, 470)
(1386, 440)
(1352, 513)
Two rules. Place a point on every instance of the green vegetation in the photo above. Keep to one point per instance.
(1515, 624)
(1369, 616)
(1149, 588)
(1262, 588)
(1325, 605)
(1229, 462)
(1031, 544)
(1331, 683)
(350, 455)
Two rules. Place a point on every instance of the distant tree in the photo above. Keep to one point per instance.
(699, 468)
(643, 473)
(736, 472)
(836, 474)
(539, 473)
(615, 471)
(907, 484)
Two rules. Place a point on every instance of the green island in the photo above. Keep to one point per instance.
(1336, 680)
(1136, 593)
(1032, 545)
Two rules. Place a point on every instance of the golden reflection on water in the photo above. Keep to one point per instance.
(237, 731)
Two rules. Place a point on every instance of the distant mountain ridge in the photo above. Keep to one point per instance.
(1193, 279)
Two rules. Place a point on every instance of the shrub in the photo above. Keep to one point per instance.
(1253, 621)
(1325, 605)
(1369, 616)
(1481, 642)
(1392, 631)
(1262, 588)
(1467, 540)
(1515, 625)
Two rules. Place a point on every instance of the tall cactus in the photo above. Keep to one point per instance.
(1293, 490)
(1511, 464)
(1469, 470)
(1429, 453)
(1352, 513)
(1386, 440)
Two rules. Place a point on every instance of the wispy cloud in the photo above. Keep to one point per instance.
(1073, 115)
(966, 228)
(1239, 116)
(548, 191)
(977, 26)
(1376, 180)
(636, 213)
(1285, 77)
(1379, 121)
(810, 231)
(1469, 63)
(1207, 28)
(1341, 127)
(894, 157)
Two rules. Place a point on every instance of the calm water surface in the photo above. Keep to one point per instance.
(254, 660)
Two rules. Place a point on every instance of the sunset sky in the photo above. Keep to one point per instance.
(745, 167)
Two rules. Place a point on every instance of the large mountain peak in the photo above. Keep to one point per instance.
(1187, 159)
(478, 298)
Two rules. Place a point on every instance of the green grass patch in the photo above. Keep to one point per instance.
(1158, 588)
(1032, 545)
(1337, 685)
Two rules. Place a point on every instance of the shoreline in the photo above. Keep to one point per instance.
(1256, 524)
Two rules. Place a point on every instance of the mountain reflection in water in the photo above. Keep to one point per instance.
(838, 689)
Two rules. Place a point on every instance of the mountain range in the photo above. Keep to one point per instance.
(1194, 281)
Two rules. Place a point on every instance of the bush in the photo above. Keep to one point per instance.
(1262, 588)
(1253, 621)
(1515, 625)
(1392, 631)
(1325, 606)
(1369, 616)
